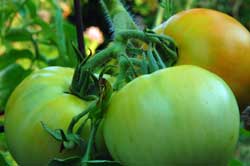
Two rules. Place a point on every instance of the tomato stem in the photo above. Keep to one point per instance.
(75, 119)
(152, 62)
(158, 57)
(121, 20)
(87, 155)
(103, 56)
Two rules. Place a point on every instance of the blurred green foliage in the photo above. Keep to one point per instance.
(146, 10)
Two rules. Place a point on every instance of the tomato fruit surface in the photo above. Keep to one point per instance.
(214, 41)
(42, 97)
(182, 115)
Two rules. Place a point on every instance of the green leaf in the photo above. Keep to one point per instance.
(31, 8)
(10, 77)
(2, 160)
(18, 34)
(59, 32)
(46, 32)
(70, 35)
(6, 159)
(235, 162)
(71, 161)
(6, 9)
(13, 55)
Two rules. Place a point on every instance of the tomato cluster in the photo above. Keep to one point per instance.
(182, 115)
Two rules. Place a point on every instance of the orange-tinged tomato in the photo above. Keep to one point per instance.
(215, 41)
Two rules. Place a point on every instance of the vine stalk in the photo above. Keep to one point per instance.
(79, 27)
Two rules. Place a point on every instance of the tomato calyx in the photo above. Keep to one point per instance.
(72, 139)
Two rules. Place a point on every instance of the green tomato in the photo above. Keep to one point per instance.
(42, 97)
(182, 115)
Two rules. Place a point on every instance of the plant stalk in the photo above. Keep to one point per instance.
(79, 28)
(87, 155)
(121, 20)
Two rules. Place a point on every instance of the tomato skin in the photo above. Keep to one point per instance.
(214, 41)
(43, 96)
(182, 115)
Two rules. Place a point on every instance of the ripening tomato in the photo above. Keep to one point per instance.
(214, 41)
(42, 97)
(183, 115)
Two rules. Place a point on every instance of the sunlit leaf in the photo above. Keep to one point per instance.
(20, 34)
(10, 77)
(6, 159)
(13, 55)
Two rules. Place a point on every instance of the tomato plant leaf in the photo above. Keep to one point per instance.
(235, 162)
(45, 33)
(70, 35)
(31, 8)
(2, 160)
(10, 77)
(59, 33)
(6, 159)
(19, 34)
(11, 57)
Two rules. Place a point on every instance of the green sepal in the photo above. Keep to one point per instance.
(57, 134)
(153, 66)
(79, 55)
(76, 161)
(68, 141)
(103, 163)
(106, 90)
(70, 161)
